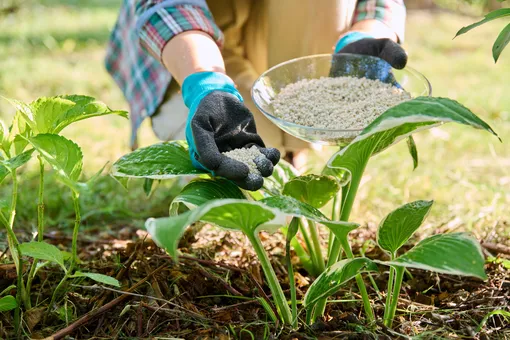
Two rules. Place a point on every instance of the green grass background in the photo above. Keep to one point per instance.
(55, 47)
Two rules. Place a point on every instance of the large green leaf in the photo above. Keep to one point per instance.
(99, 278)
(43, 251)
(282, 173)
(52, 114)
(246, 216)
(499, 13)
(501, 41)
(398, 123)
(85, 107)
(8, 303)
(242, 215)
(12, 164)
(158, 161)
(292, 207)
(203, 190)
(455, 254)
(396, 228)
(334, 277)
(63, 155)
(312, 189)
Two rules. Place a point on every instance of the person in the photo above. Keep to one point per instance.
(189, 65)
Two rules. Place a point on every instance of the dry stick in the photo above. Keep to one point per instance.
(498, 248)
(220, 280)
(96, 312)
(120, 274)
(211, 263)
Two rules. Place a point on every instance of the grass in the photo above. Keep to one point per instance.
(54, 47)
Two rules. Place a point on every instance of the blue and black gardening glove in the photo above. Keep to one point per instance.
(218, 122)
(389, 53)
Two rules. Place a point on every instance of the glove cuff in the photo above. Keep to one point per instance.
(198, 85)
(350, 38)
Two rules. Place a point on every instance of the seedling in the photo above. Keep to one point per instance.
(298, 198)
(35, 129)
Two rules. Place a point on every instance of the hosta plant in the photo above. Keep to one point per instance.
(35, 130)
(291, 203)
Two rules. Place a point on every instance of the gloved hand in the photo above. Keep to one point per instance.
(218, 121)
(390, 55)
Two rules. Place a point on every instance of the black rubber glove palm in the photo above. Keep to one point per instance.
(222, 123)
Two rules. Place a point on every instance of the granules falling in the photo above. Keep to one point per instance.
(246, 156)
(336, 103)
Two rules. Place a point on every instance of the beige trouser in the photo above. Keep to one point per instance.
(258, 35)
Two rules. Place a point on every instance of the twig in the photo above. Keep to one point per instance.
(96, 312)
(498, 248)
(212, 263)
(172, 311)
(219, 309)
(220, 280)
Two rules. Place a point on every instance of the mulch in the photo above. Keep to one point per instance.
(215, 292)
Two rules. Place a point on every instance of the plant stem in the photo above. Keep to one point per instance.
(272, 281)
(294, 224)
(360, 282)
(40, 223)
(310, 247)
(389, 294)
(15, 252)
(76, 229)
(40, 203)
(57, 290)
(317, 251)
(388, 322)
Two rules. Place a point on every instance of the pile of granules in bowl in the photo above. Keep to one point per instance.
(246, 156)
(336, 103)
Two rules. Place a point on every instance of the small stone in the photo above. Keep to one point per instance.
(246, 156)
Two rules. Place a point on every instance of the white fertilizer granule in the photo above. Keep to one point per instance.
(336, 103)
(246, 156)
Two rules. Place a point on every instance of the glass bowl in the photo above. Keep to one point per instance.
(271, 82)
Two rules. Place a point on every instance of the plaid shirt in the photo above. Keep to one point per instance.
(144, 26)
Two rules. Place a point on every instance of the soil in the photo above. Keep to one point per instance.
(215, 289)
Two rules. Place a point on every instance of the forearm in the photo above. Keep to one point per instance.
(375, 28)
(190, 52)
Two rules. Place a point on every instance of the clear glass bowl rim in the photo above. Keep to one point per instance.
(316, 56)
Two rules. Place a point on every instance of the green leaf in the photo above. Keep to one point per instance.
(63, 155)
(240, 215)
(8, 303)
(400, 122)
(53, 114)
(455, 254)
(8, 166)
(505, 314)
(108, 280)
(23, 111)
(312, 189)
(411, 145)
(396, 228)
(282, 173)
(292, 207)
(85, 107)
(501, 41)
(43, 251)
(4, 135)
(246, 216)
(499, 13)
(334, 277)
(147, 186)
(158, 161)
(203, 190)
